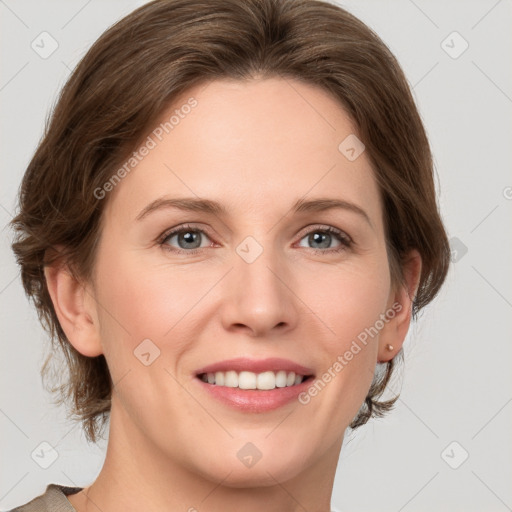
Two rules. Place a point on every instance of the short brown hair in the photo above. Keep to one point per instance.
(131, 75)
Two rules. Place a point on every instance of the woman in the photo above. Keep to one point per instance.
(227, 228)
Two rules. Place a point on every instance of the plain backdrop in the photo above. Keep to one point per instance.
(447, 444)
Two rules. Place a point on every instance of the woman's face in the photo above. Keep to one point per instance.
(255, 277)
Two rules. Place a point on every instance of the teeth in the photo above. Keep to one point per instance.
(281, 379)
(219, 379)
(250, 380)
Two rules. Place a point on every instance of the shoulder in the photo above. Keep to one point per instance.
(52, 500)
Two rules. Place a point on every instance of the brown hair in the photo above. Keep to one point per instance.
(131, 75)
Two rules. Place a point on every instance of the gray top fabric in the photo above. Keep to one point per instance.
(52, 500)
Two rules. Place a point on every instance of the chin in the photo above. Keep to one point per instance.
(259, 464)
(260, 475)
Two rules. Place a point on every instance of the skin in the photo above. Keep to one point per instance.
(255, 147)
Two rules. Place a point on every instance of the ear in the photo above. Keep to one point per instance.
(399, 309)
(75, 308)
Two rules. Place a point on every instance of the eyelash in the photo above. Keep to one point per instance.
(344, 239)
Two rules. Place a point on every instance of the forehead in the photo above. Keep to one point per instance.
(255, 146)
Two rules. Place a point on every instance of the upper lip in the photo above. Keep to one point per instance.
(240, 364)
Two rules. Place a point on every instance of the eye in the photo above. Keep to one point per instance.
(188, 238)
(322, 237)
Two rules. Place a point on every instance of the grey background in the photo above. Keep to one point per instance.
(456, 382)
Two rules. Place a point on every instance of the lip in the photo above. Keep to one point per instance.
(254, 400)
(240, 364)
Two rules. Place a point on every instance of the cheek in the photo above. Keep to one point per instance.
(142, 299)
(348, 298)
(147, 299)
(140, 302)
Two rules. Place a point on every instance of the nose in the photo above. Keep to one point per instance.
(257, 296)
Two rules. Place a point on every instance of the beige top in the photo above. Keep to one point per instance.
(52, 500)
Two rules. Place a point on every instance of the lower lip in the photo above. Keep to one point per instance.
(254, 400)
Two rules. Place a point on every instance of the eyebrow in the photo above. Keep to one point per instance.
(193, 204)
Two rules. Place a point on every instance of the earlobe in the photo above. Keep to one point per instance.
(399, 309)
(74, 309)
